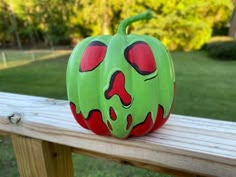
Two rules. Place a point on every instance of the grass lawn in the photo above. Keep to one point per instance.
(205, 88)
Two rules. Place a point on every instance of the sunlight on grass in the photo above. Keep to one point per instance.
(20, 58)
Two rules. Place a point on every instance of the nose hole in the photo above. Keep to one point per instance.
(117, 87)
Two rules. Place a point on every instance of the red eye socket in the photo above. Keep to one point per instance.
(92, 56)
(140, 57)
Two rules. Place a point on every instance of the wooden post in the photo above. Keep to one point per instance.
(42, 159)
(4, 59)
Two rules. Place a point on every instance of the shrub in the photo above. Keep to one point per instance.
(222, 50)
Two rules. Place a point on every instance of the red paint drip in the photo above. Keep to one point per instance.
(94, 121)
(96, 124)
(78, 117)
(144, 127)
(117, 87)
(160, 120)
(112, 114)
(129, 121)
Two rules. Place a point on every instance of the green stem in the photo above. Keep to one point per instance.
(123, 25)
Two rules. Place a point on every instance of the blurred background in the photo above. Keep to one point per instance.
(179, 24)
(37, 37)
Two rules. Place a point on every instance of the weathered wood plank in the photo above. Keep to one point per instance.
(42, 159)
(192, 145)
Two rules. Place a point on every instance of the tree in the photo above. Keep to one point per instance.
(5, 35)
(10, 23)
(179, 24)
(186, 24)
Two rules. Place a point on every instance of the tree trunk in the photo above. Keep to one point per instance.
(106, 21)
(37, 38)
(14, 24)
(32, 39)
(18, 40)
(232, 28)
(48, 41)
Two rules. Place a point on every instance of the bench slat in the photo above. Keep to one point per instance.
(189, 144)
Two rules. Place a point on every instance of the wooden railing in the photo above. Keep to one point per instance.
(44, 134)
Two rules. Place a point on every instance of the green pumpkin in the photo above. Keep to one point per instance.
(121, 85)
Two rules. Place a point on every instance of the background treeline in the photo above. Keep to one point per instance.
(179, 24)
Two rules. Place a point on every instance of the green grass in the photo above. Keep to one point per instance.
(8, 166)
(89, 167)
(15, 58)
(205, 88)
(43, 78)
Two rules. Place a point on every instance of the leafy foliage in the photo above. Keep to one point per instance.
(184, 24)
(187, 24)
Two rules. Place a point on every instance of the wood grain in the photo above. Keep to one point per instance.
(39, 158)
(188, 144)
